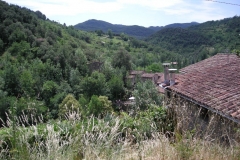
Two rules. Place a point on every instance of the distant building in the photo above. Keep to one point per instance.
(143, 76)
(206, 97)
(150, 76)
(133, 75)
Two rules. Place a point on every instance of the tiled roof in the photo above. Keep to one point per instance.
(161, 79)
(159, 74)
(214, 82)
(148, 75)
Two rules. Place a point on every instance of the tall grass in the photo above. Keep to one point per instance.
(112, 137)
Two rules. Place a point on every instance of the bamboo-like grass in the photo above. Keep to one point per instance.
(76, 139)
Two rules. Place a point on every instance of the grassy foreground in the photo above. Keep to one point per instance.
(113, 137)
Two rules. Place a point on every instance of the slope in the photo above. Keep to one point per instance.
(42, 61)
(200, 41)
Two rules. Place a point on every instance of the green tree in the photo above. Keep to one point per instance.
(146, 94)
(27, 83)
(49, 90)
(20, 49)
(155, 67)
(1, 46)
(116, 87)
(122, 59)
(110, 33)
(75, 77)
(31, 108)
(81, 62)
(124, 37)
(99, 32)
(64, 87)
(94, 84)
(40, 15)
(69, 103)
(17, 36)
(11, 77)
(54, 104)
(99, 106)
(83, 101)
(107, 70)
(4, 103)
(107, 105)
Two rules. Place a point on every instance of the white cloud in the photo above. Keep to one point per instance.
(178, 11)
(153, 4)
(207, 11)
(168, 10)
(68, 7)
(193, 10)
(201, 12)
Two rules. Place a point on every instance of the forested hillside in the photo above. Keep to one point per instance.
(43, 61)
(201, 41)
(174, 25)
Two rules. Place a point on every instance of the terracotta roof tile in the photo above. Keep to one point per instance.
(214, 82)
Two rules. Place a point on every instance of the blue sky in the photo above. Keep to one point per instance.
(132, 12)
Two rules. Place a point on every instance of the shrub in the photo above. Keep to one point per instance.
(68, 104)
(99, 106)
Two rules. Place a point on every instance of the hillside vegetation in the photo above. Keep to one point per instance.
(200, 41)
(43, 61)
(122, 137)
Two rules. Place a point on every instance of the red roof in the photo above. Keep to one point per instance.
(214, 83)
(161, 79)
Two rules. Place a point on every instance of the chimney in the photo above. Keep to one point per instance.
(172, 76)
(166, 73)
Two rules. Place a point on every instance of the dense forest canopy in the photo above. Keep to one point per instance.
(43, 62)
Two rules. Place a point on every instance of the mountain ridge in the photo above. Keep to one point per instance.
(132, 30)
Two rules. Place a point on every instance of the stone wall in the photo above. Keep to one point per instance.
(201, 122)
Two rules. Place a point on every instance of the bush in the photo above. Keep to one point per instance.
(68, 104)
(99, 106)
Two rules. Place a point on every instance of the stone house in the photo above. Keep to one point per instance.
(205, 98)
(143, 76)
(150, 76)
(133, 76)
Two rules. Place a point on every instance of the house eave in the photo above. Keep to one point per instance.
(203, 105)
